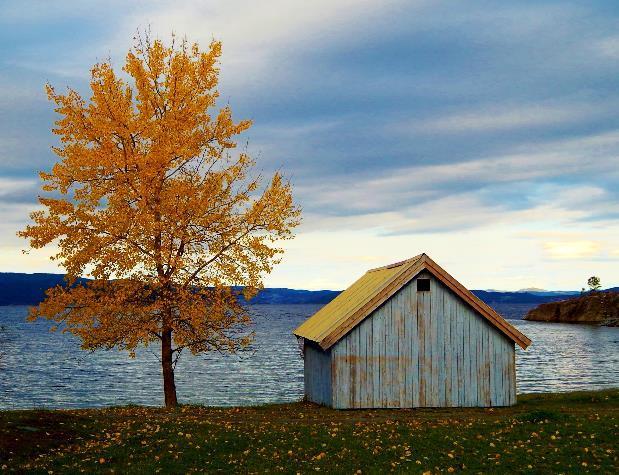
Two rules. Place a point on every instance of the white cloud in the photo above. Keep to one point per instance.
(12, 257)
(607, 47)
(9, 186)
(492, 119)
(572, 249)
(367, 218)
(256, 36)
(399, 189)
(496, 256)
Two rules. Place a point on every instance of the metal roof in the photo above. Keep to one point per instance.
(374, 288)
(342, 307)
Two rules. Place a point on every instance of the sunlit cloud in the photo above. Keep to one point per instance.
(571, 249)
(484, 136)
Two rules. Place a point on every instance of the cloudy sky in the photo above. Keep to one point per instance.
(484, 133)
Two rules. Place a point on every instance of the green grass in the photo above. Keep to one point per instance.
(549, 433)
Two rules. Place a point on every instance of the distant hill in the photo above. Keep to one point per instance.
(293, 296)
(26, 289)
(29, 289)
(592, 307)
(548, 293)
(518, 297)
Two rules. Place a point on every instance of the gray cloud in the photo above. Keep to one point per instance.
(18, 191)
(424, 116)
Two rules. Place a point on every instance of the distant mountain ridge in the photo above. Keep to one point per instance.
(544, 292)
(26, 289)
(535, 291)
(29, 289)
(274, 295)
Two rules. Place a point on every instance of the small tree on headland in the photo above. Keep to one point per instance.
(594, 283)
(151, 202)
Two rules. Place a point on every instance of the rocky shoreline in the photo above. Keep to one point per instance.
(601, 308)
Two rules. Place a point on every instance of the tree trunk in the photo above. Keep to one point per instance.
(169, 388)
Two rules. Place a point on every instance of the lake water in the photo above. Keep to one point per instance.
(42, 369)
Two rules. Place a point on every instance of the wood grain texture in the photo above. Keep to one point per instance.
(317, 374)
(418, 349)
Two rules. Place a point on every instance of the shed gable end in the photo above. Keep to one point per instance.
(371, 291)
(423, 349)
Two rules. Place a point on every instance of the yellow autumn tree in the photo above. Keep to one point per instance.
(149, 199)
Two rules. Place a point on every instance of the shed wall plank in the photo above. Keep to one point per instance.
(377, 357)
(419, 349)
(438, 341)
(413, 341)
(317, 379)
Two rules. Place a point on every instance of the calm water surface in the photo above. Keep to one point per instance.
(42, 369)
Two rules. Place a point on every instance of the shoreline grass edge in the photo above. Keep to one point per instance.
(573, 432)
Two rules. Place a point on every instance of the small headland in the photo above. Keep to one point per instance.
(600, 308)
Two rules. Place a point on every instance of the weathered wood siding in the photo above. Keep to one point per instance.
(317, 374)
(419, 349)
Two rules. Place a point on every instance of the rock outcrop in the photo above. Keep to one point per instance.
(601, 308)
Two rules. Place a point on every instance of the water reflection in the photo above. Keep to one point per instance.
(49, 370)
(567, 357)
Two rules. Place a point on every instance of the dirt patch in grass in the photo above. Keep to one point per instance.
(24, 434)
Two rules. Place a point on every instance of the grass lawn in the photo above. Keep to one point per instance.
(549, 433)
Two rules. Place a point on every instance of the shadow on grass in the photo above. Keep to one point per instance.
(26, 433)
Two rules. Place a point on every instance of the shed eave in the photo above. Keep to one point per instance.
(392, 284)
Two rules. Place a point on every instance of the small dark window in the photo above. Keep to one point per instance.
(423, 285)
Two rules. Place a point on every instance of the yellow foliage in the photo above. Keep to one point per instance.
(148, 198)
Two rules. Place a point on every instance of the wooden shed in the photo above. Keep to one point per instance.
(409, 335)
